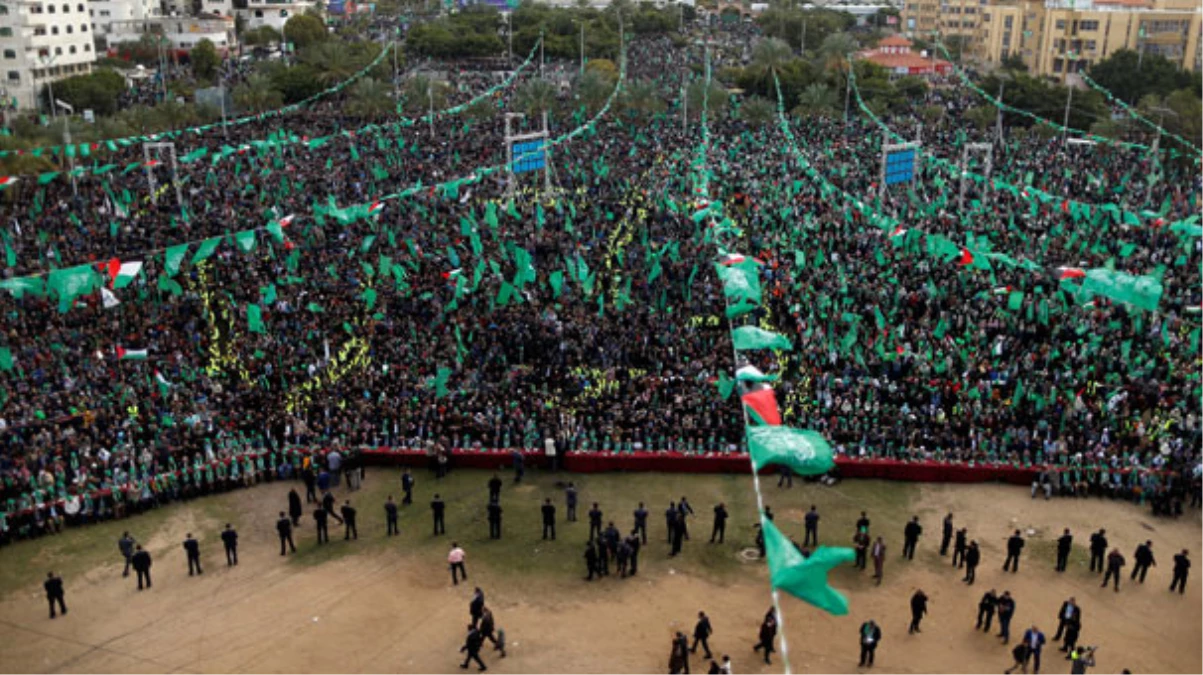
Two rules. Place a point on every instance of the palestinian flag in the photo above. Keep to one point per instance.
(1065, 206)
(898, 232)
(108, 298)
(164, 385)
(150, 164)
(287, 220)
(6, 181)
(966, 258)
(1070, 273)
(125, 273)
(762, 406)
(124, 354)
(735, 259)
(375, 208)
(453, 274)
(1002, 290)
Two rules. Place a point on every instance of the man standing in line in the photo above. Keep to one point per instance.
(1064, 545)
(1014, 546)
(870, 636)
(768, 632)
(192, 548)
(549, 519)
(676, 533)
(683, 511)
(1006, 610)
(911, 537)
(284, 529)
(879, 558)
(591, 561)
(407, 486)
(1181, 569)
(487, 627)
(1068, 613)
(623, 556)
(811, 522)
(320, 516)
(310, 480)
(1098, 549)
(720, 524)
(1115, 562)
(570, 502)
(472, 645)
(349, 520)
(229, 538)
(294, 507)
(1143, 559)
(959, 547)
(918, 609)
(437, 507)
(985, 610)
(701, 635)
(633, 543)
(862, 523)
(595, 522)
(126, 545)
(1034, 639)
(861, 540)
(390, 517)
(972, 557)
(142, 563)
(456, 560)
(494, 517)
(495, 488)
(946, 535)
(54, 593)
(641, 522)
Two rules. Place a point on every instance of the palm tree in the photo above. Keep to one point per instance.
(258, 94)
(422, 94)
(834, 51)
(718, 98)
(593, 88)
(771, 54)
(756, 111)
(370, 99)
(818, 100)
(641, 99)
(331, 59)
(535, 97)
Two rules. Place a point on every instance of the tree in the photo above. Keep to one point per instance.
(834, 51)
(593, 89)
(258, 94)
(204, 59)
(771, 55)
(370, 99)
(717, 99)
(603, 67)
(756, 111)
(97, 91)
(641, 99)
(982, 116)
(817, 99)
(911, 87)
(295, 83)
(1014, 62)
(421, 94)
(932, 114)
(303, 30)
(535, 97)
(332, 61)
(1130, 78)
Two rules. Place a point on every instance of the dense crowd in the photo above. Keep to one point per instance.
(592, 317)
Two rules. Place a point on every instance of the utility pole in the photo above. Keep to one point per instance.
(802, 41)
(540, 54)
(70, 155)
(1001, 85)
(684, 107)
(847, 94)
(582, 47)
(430, 104)
(1069, 97)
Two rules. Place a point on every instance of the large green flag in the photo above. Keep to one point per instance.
(72, 282)
(805, 578)
(1143, 292)
(173, 257)
(254, 319)
(751, 337)
(804, 451)
(206, 249)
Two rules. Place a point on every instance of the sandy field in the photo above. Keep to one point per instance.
(380, 605)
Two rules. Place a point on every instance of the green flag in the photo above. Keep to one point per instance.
(805, 578)
(751, 337)
(805, 451)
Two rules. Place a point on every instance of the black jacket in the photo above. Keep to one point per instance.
(870, 633)
(1077, 612)
(494, 512)
(1098, 543)
(720, 515)
(988, 602)
(473, 643)
(229, 538)
(348, 514)
(1065, 542)
(141, 561)
(390, 510)
(319, 515)
(1015, 544)
(549, 514)
(912, 531)
(284, 525)
(192, 546)
(294, 504)
(973, 556)
(1144, 555)
(437, 506)
(54, 587)
(702, 629)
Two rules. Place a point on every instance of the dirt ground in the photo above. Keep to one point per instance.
(393, 609)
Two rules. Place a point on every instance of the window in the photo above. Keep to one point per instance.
(58, 51)
(54, 30)
(1090, 45)
(70, 28)
(1060, 24)
(6, 31)
(258, 14)
(986, 17)
(1008, 22)
(10, 54)
(283, 12)
(66, 9)
(36, 31)
(80, 7)
(1090, 26)
(50, 9)
(87, 46)
(3, 9)
(971, 10)
(83, 28)
(14, 76)
(71, 49)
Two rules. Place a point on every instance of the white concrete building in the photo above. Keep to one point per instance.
(105, 13)
(182, 33)
(274, 13)
(41, 42)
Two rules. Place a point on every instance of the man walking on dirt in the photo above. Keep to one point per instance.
(701, 635)
(472, 645)
(320, 516)
(768, 632)
(946, 535)
(641, 522)
(437, 508)
(1014, 547)
(549, 519)
(126, 545)
(1115, 562)
(54, 593)
(910, 536)
(1064, 545)
(1098, 549)
(141, 562)
(284, 530)
(720, 523)
(192, 548)
(985, 610)
(229, 539)
(879, 558)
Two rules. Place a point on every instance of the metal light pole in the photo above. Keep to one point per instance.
(802, 41)
(540, 54)
(48, 61)
(1002, 83)
(70, 155)
(582, 47)
(430, 104)
(1068, 101)
(1161, 112)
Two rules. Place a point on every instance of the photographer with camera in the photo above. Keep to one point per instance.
(1083, 658)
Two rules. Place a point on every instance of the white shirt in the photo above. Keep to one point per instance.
(549, 447)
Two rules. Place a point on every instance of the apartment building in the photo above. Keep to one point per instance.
(42, 42)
